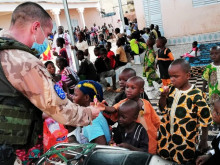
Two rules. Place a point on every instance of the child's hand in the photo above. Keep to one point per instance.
(125, 145)
(73, 47)
(55, 53)
(165, 91)
(202, 159)
(95, 109)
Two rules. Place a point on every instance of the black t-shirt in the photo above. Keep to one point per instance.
(88, 70)
(102, 65)
(137, 138)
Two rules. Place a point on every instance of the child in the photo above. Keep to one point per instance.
(102, 41)
(150, 66)
(118, 34)
(211, 76)
(193, 52)
(87, 70)
(111, 54)
(102, 64)
(184, 111)
(147, 115)
(121, 57)
(164, 59)
(123, 77)
(213, 156)
(68, 76)
(96, 51)
(62, 53)
(84, 93)
(130, 134)
(52, 70)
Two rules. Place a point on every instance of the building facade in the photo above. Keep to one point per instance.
(181, 21)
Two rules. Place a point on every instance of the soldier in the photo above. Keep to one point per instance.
(26, 87)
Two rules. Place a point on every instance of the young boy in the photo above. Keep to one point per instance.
(164, 59)
(213, 156)
(147, 115)
(123, 77)
(130, 134)
(184, 111)
(102, 41)
(121, 57)
(102, 64)
(211, 76)
(111, 54)
(87, 70)
(149, 65)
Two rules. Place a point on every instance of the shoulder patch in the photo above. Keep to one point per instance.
(59, 91)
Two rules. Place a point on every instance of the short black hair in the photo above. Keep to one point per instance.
(195, 43)
(109, 43)
(120, 42)
(130, 104)
(30, 11)
(63, 60)
(183, 63)
(137, 80)
(101, 35)
(103, 51)
(117, 30)
(151, 41)
(97, 48)
(61, 40)
(129, 71)
(47, 63)
(80, 52)
(82, 34)
(142, 31)
(163, 39)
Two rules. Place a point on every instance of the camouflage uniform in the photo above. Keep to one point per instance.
(29, 76)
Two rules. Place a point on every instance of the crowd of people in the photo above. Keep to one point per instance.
(70, 97)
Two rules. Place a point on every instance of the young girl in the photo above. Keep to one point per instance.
(68, 76)
(121, 57)
(150, 66)
(164, 59)
(211, 76)
(62, 53)
(111, 54)
(52, 70)
(98, 132)
(193, 52)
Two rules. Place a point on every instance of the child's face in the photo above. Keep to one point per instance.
(96, 52)
(179, 78)
(51, 69)
(126, 117)
(194, 45)
(122, 80)
(108, 47)
(216, 113)
(159, 43)
(58, 44)
(133, 90)
(79, 97)
(79, 56)
(100, 38)
(58, 63)
(215, 55)
(79, 37)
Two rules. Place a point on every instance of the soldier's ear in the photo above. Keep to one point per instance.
(35, 26)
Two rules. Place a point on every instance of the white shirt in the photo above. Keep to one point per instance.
(82, 46)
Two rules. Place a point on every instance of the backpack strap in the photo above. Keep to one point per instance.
(8, 43)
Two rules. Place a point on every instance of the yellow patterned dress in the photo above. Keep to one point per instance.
(178, 132)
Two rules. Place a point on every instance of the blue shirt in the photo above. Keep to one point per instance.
(98, 128)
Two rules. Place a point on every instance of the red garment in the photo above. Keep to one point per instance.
(111, 56)
(63, 53)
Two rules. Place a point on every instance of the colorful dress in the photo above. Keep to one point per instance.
(184, 113)
(149, 62)
(212, 76)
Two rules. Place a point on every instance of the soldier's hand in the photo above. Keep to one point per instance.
(95, 109)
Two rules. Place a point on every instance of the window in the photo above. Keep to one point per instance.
(198, 3)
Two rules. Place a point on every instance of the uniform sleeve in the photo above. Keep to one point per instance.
(38, 87)
(204, 113)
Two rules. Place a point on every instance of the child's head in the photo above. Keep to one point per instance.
(215, 54)
(96, 51)
(216, 112)
(147, 30)
(103, 52)
(60, 42)
(179, 72)
(194, 44)
(80, 55)
(101, 37)
(128, 113)
(150, 42)
(134, 87)
(119, 42)
(85, 91)
(156, 27)
(124, 76)
(108, 46)
(81, 36)
(50, 67)
(61, 62)
(142, 32)
(117, 30)
(161, 42)
(151, 26)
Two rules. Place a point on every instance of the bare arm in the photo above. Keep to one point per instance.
(100, 140)
(204, 85)
(203, 145)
